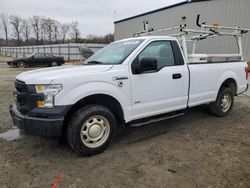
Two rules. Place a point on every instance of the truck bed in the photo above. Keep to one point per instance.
(207, 77)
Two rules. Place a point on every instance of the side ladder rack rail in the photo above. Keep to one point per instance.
(217, 26)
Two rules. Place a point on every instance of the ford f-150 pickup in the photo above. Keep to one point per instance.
(126, 83)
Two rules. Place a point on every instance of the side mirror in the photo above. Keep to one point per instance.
(147, 64)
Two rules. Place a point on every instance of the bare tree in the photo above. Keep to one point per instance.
(26, 27)
(90, 37)
(42, 29)
(109, 38)
(49, 28)
(106, 39)
(35, 23)
(16, 22)
(64, 29)
(56, 32)
(5, 23)
(75, 31)
(45, 30)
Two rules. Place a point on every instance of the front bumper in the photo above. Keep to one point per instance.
(11, 63)
(41, 126)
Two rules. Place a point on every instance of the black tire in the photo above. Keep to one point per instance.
(76, 138)
(54, 64)
(21, 64)
(220, 109)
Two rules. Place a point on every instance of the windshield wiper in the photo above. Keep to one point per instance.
(94, 62)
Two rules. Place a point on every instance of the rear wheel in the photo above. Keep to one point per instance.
(54, 64)
(91, 130)
(21, 64)
(224, 102)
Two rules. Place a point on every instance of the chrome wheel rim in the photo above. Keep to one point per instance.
(95, 131)
(226, 102)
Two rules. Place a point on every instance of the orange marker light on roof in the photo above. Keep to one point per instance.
(216, 25)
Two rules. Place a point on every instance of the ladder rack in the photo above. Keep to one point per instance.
(207, 31)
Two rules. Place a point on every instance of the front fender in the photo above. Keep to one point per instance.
(121, 94)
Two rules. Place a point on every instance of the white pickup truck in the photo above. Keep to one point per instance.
(128, 82)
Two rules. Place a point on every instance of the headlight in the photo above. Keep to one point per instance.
(49, 92)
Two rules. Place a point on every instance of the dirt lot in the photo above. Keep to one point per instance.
(197, 150)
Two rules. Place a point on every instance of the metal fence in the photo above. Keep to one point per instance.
(68, 51)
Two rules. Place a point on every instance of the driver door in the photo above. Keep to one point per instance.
(163, 90)
(37, 59)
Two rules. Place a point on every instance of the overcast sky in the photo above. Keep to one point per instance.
(94, 16)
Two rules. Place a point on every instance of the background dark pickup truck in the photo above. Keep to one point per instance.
(37, 59)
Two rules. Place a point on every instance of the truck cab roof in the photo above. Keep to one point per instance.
(150, 38)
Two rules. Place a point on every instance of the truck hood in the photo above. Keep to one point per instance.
(47, 75)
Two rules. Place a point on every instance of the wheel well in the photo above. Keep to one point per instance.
(102, 99)
(230, 83)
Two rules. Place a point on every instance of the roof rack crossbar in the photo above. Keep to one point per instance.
(210, 30)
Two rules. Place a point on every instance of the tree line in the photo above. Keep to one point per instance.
(39, 30)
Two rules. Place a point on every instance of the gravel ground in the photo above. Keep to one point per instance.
(196, 150)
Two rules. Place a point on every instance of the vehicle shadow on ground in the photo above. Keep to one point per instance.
(131, 135)
(126, 136)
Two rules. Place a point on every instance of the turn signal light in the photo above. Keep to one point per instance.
(40, 104)
(39, 88)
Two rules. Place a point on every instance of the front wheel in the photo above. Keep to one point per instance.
(224, 102)
(91, 130)
(20, 64)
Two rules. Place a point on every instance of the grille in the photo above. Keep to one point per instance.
(21, 96)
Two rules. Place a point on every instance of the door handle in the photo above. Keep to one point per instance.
(120, 78)
(177, 76)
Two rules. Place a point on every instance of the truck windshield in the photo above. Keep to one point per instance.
(114, 53)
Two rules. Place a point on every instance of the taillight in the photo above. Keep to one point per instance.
(246, 69)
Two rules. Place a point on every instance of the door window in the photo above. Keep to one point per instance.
(161, 51)
(37, 56)
(48, 55)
